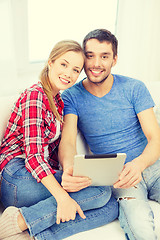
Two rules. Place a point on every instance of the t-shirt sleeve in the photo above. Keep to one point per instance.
(70, 103)
(141, 98)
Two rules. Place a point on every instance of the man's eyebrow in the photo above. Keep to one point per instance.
(106, 53)
(103, 53)
(68, 63)
(88, 52)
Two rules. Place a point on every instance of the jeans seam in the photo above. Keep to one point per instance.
(127, 220)
(14, 187)
(31, 225)
(17, 177)
(53, 213)
(92, 198)
(71, 223)
(40, 219)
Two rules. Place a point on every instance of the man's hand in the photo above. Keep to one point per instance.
(74, 184)
(130, 176)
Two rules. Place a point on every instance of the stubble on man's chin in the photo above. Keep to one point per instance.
(100, 82)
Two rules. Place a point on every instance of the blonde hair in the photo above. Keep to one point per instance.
(59, 49)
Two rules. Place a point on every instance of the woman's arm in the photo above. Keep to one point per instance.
(66, 206)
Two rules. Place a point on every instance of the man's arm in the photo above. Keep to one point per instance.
(131, 174)
(67, 151)
(67, 147)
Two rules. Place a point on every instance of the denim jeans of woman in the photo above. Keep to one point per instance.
(135, 214)
(38, 206)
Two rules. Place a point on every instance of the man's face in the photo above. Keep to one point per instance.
(98, 60)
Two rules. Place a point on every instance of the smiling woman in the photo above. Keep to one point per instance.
(29, 163)
(64, 71)
(61, 65)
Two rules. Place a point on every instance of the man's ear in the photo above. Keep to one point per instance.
(114, 61)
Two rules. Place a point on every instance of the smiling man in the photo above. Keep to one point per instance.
(98, 63)
(115, 115)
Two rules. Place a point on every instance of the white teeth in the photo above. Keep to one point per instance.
(96, 71)
(63, 80)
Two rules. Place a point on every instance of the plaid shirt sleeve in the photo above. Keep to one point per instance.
(33, 114)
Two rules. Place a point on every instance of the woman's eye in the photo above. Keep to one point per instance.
(63, 64)
(77, 71)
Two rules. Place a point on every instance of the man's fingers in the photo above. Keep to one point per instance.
(128, 181)
(76, 186)
(75, 179)
(124, 173)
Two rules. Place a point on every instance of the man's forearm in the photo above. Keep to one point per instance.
(150, 154)
(66, 154)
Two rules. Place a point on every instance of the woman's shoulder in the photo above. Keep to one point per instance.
(35, 92)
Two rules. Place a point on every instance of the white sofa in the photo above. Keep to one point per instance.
(110, 231)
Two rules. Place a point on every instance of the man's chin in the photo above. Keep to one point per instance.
(97, 81)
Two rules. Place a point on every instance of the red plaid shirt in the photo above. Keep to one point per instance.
(31, 127)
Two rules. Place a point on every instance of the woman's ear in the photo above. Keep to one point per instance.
(49, 63)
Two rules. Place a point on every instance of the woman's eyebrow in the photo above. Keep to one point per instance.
(65, 60)
(68, 63)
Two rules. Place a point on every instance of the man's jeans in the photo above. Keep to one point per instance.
(136, 216)
(38, 206)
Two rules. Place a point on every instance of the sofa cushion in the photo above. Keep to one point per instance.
(157, 113)
(6, 103)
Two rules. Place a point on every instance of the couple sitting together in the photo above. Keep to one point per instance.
(43, 202)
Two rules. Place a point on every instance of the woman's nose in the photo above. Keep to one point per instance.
(67, 72)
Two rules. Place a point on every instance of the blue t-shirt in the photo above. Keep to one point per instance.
(110, 123)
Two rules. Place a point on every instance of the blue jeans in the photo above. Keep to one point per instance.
(135, 214)
(38, 206)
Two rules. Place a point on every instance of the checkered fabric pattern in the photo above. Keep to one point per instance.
(31, 127)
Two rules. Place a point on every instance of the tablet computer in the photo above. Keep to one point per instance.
(102, 169)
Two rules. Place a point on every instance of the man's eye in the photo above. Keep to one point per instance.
(104, 57)
(89, 56)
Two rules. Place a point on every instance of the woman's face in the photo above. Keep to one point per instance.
(64, 71)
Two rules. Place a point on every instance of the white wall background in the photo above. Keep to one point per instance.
(138, 25)
(138, 32)
(65, 20)
(8, 75)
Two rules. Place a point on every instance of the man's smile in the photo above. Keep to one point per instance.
(96, 73)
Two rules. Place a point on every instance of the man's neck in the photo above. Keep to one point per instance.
(99, 89)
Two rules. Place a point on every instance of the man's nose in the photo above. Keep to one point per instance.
(97, 62)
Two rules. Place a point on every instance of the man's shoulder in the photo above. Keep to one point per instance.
(126, 79)
(128, 82)
(75, 89)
